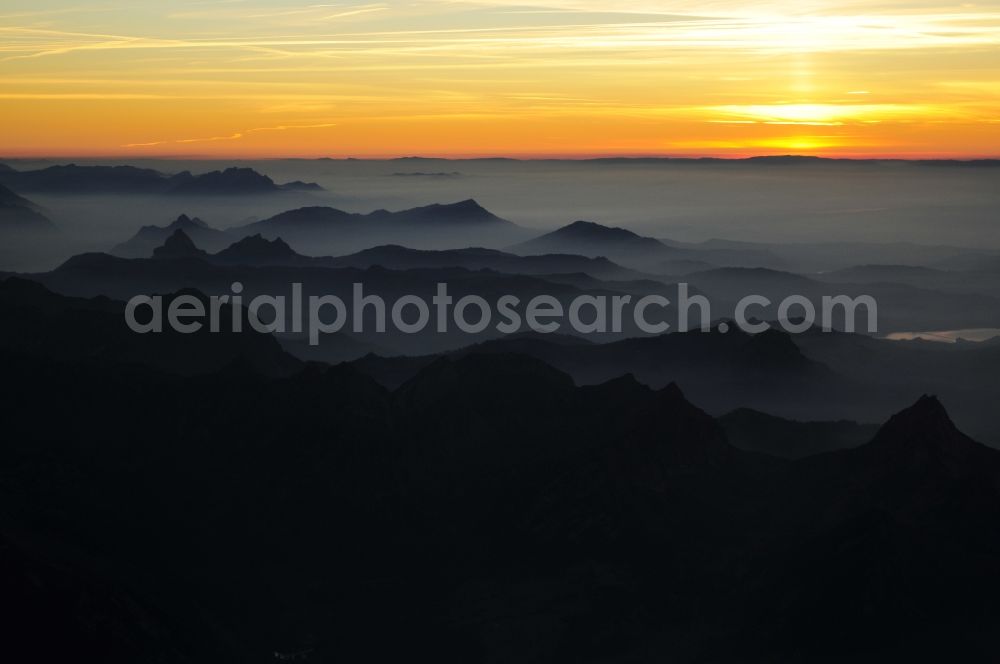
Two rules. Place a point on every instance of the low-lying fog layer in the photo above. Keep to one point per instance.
(686, 201)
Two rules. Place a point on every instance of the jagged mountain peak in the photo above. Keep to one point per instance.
(178, 245)
(257, 245)
(926, 422)
(184, 221)
(580, 227)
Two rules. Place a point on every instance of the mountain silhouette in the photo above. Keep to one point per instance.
(299, 185)
(148, 238)
(255, 250)
(922, 439)
(587, 238)
(178, 246)
(94, 330)
(897, 303)
(76, 179)
(462, 213)
(396, 257)
(898, 526)
(592, 239)
(720, 371)
(461, 224)
(231, 181)
(18, 214)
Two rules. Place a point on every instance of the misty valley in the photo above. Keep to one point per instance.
(498, 410)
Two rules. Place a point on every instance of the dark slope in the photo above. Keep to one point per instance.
(318, 512)
(59, 606)
(963, 374)
(92, 274)
(754, 431)
(488, 510)
(814, 376)
(719, 371)
(37, 322)
(898, 545)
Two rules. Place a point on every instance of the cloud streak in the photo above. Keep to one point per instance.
(667, 73)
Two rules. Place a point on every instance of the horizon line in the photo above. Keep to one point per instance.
(500, 157)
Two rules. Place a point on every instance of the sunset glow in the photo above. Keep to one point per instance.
(246, 78)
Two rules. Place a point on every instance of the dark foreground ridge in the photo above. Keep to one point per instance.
(486, 510)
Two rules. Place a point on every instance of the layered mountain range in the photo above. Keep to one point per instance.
(89, 180)
(225, 493)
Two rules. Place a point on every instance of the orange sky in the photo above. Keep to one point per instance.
(253, 78)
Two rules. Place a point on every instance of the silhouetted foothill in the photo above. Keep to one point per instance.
(99, 179)
(178, 245)
(18, 214)
(592, 239)
(148, 238)
(255, 250)
(228, 181)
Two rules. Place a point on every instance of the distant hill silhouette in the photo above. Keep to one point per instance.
(590, 239)
(178, 246)
(901, 306)
(403, 258)
(971, 261)
(148, 238)
(656, 256)
(966, 274)
(299, 185)
(255, 250)
(231, 182)
(721, 371)
(437, 225)
(319, 230)
(76, 179)
(94, 273)
(463, 213)
(18, 214)
(868, 382)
